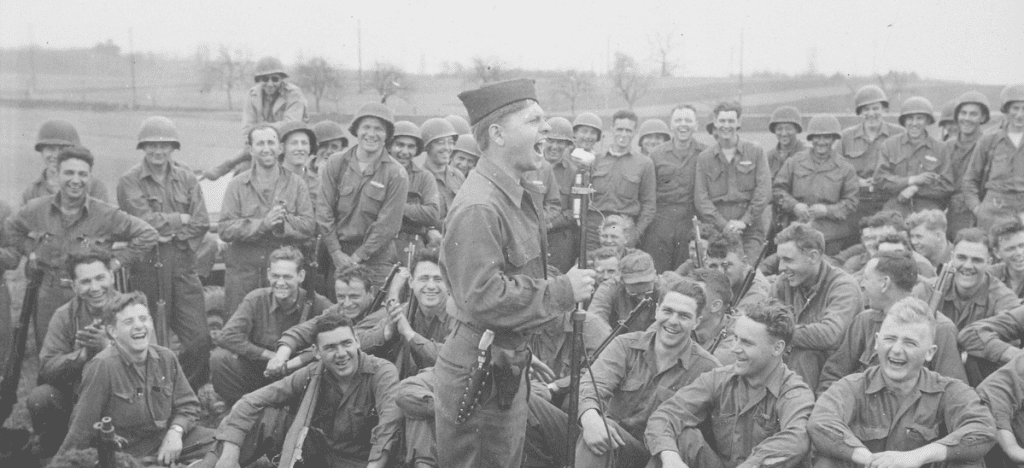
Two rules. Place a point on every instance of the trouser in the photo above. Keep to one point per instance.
(233, 376)
(694, 449)
(753, 236)
(632, 455)
(958, 216)
(6, 324)
(491, 436)
(563, 247)
(245, 269)
(594, 220)
(177, 283)
(53, 293)
(914, 205)
(807, 363)
(999, 206)
(49, 408)
(194, 444)
(379, 264)
(668, 238)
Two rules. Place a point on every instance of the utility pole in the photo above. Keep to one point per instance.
(741, 67)
(131, 61)
(359, 51)
(31, 62)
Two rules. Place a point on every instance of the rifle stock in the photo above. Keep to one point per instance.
(941, 286)
(378, 299)
(294, 439)
(12, 372)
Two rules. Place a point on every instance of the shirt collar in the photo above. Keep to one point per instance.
(55, 202)
(146, 172)
(980, 297)
(926, 383)
(774, 381)
(275, 304)
(510, 187)
(645, 343)
(248, 176)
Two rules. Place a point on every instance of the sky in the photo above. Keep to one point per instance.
(974, 41)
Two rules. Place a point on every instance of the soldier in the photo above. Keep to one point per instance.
(1003, 394)
(636, 373)
(734, 183)
(605, 263)
(624, 183)
(910, 165)
(586, 129)
(971, 112)
(872, 229)
(824, 298)
(331, 138)
(992, 186)
(759, 407)
(271, 100)
(165, 194)
(947, 121)
(638, 280)
(460, 124)
(9, 260)
(141, 386)
(249, 338)
(819, 187)
(563, 231)
(363, 195)
(618, 232)
(728, 258)
(55, 135)
(889, 278)
(48, 228)
(297, 144)
(422, 209)
(356, 420)
(899, 413)
(439, 140)
(715, 331)
(264, 208)
(493, 257)
(974, 293)
(675, 164)
(652, 134)
(1007, 239)
(928, 237)
(786, 123)
(466, 154)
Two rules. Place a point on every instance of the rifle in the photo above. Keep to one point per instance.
(162, 336)
(378, 299)
(697, 247)
(294, 439)
(581, 192)
(312, 280)
(942, 285)
(404, 355)
(12, 372)
(108, 443)
(748, 282)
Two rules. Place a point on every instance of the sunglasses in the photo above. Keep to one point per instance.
(270, 78)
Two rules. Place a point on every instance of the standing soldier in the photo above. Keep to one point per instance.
(297, 144)
(166, 195)
(675, 165)
(363, 193)
(734, 183)
(971, 112)
(55, 135)
(820, 187)
(860, 146)
(786, 123)
(439, 139)
(624, 183)
(994, 184)
(947, 121)
(264, 208)
(653, 133)
(493, 258)
(910, 165)
(466, 154)
(48, 228)
(460, 124)
(586, 130)
(563, 231)
(330, 138)
(271, 100)
(422, 203)
(9, 260)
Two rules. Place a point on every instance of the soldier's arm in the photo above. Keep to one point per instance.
(134, 201)
(199, 220)
(829, 424)
(15, 232)
(971, 183)
(384, 434)
(1003, 393)
(690, 406)
(842, 303)
(295, 106)
(140, 235)
(300, 225)
(232, 226)
(990, 337)
(648, 197)
(389, 220)
(428, 211)
(601, 304)
(329, 185)
(234, 336)
(247, 412)
(782, 187)
(791, 442)
(95, 391)
(947, 359)
(608, 372)
(10, 258)
(886, 178)
(59, 361)
(300, 336)
(1005, 298)
(415, 395)
(702, 198)
(845, 359)
(848, 199)
(185, 407)
(762, 191)
(552, 198)
(943, 187)
(970, 425)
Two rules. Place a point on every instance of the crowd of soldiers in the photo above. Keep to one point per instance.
(854, 299)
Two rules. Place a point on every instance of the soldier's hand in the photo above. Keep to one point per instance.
(541, 370)
(894, 459)
(596, 437)
(866, 182)
(228, 456)
(185, 218)
(670, 459)
(399, 284)
(341, 261)
(170, 448)
(582, 282)
(801, 211)
(907, 193)
(93, 338)
(434, 237)
(735, 227)
(818, 210)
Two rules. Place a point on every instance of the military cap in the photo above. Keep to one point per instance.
(482, 102)
(637, 267)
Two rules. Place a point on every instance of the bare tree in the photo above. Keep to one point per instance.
(227, 71)
(663, 46)
(572, 85)
(389, 80)
(488, 70)
(895, 83)
(318, 77)
(629, 80)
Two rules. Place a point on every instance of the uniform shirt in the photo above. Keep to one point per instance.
(749, 424)
(626, 185)
(431, 330)
(675, 169)
(726, 338)
(862, 153)
(898, 159)
(361, 206)
(422, 203)
(41, 188)
(61, 359)
(140, 194)
(39, 228)
(564, 172)
(611, 303)
(246, 203)
(745, 180)
(990, 298)
(494, 255)
(860, 412)
(778, 155)
(142, 403)
(260, 320)
(990, 337)
(805, 178)
(311, 178)
(360, 424)
(449, 182)
(10, 258)
(1003, 393)
(958, 152)
(288, 106)
(996, 157)
(628, 385)
(857, 352)
(544, 183)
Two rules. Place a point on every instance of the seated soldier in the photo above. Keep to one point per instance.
(605, 262)
(757, 408)
(247, 342)
(899, 413)
(637, 372)
(872, 229)
(141, 386)
(889, 278)
(824, 298)
(619, 232)
(614, 300)
(1007, 240)
(73, 338)
(928, 237)
(354, 421)
(975, 293)
(727, 257)
(1003, 393)
(994, 341)
(714, 333)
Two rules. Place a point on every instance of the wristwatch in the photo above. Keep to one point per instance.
(178, 429)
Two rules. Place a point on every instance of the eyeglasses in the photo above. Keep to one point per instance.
(270, 78)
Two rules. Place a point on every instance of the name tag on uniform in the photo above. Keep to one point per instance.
(376, 184)
(931, 158)
(746, 163)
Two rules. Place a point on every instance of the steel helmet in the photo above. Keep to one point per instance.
(1010, 94)
(786, 114)
(561, 129)
(287, 128)
(436, 128)
(869, 94)
(268, 66)
(460, 124)
(973, 97)
(653, 127)
(588, 119)
(57, 132)
(946, 114)
(327, 130)
(917, 105)
(824, 124)
(467, 144)
(408, 129)
(158, 129)
(710, 127)
(378, 110)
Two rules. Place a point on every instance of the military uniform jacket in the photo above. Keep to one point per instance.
(991, 298)
(60, 359)
(564, 172)
(862, 153)
(996, 156)
(899, 159)
(746, 180)
(246, 203)
(161, 203)
(449, 182)
(289, 106)
(40, 188)
(626, 185)
(778, 155)
(1003, 393)
(990, 337)
(675, 169)
(958, 152)
(422, 209)
(832, 182)
(544, 183)
(260, 320)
